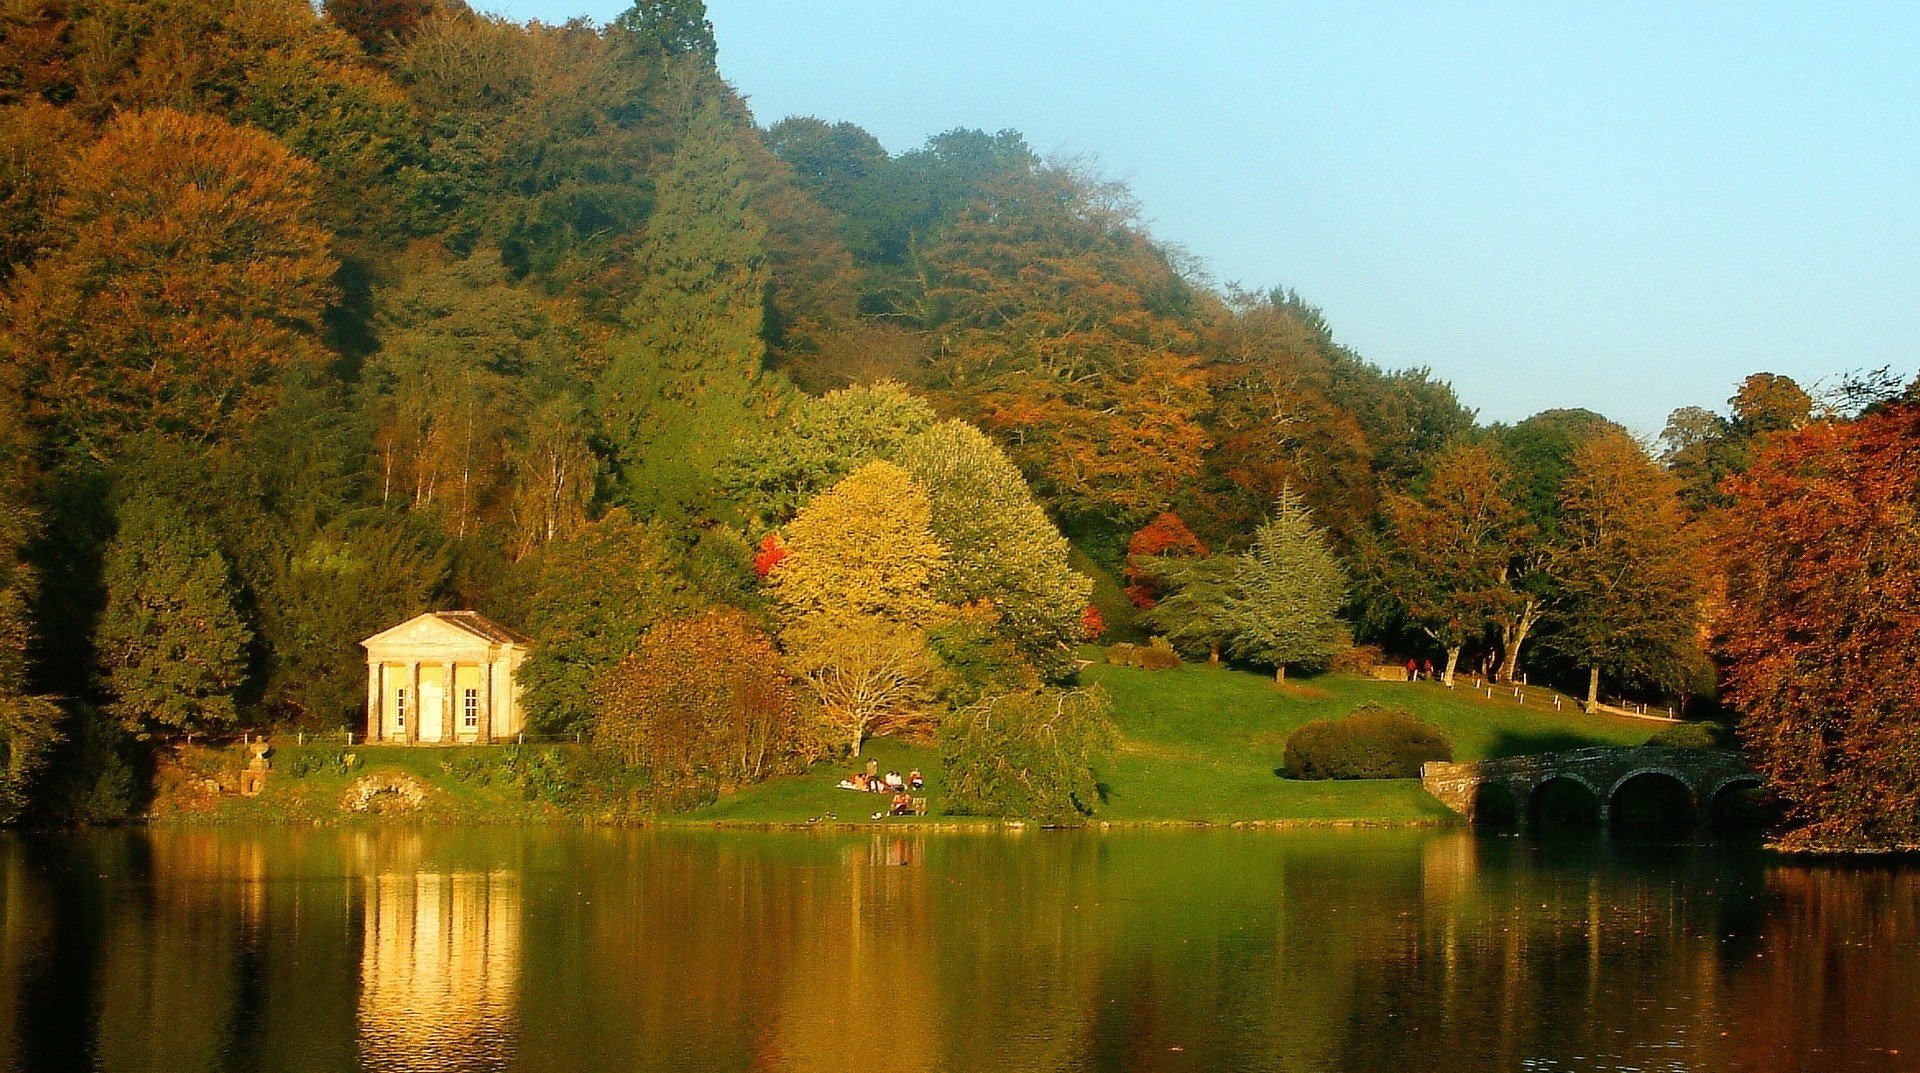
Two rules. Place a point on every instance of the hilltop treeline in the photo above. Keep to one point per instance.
(316, 320)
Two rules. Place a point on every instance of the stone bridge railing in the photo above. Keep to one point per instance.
(1472, 788)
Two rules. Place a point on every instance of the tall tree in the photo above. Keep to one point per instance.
(1821, 626)
(821, 439)
(1192, 613)
(188, 276)
(1283, 605)
(1002, 549)
(29, 724)
(1451, 548)
(680, 386)
(1626, 568)
(172, 645)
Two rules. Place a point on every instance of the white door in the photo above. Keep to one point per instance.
(432, 705)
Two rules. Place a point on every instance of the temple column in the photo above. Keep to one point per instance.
(373, 700)
(413, 700)
(486, 701)
(449, 705)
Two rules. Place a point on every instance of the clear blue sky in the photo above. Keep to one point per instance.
(1626, 207)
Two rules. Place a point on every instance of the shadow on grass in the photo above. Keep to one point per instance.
(1530, 742)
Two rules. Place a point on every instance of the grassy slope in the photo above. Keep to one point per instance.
(1202, 744)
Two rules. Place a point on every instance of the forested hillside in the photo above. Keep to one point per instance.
(317, 320)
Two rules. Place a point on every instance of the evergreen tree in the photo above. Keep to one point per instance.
(680, 387)
(1192, 610)
(172, 646)
(1282, 607)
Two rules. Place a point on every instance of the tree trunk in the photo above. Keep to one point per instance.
(859, 736)
(1453, 660)
(1513, 634)
(1279, 673)
(1593, 690)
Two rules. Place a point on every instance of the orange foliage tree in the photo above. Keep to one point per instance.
(702, 702)
(1822, 626)
(188, 275)
(1166, 536)
(1062, 329)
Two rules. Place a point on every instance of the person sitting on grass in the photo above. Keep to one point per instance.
(895, 782)
(857, 782)
(915, 780)
(902, 804)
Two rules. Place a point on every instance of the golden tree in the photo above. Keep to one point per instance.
(865, 547)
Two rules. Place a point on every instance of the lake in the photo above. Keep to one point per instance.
(517, 949)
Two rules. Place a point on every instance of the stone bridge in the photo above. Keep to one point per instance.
(1511, 788)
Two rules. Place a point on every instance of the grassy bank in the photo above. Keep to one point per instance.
(1198, 744)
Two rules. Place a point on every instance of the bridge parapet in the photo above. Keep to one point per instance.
(1603, 770)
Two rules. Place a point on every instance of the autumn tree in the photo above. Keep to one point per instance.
(1002, 551)
(869, 674)
(28, 722)
(1625, 568)
(1165, 537)
(172, 646)
(865, 547)
(188, 275)
(1450, 549)
(703, 702)
(1821, 628)
(1064, 331)
(1284, 601)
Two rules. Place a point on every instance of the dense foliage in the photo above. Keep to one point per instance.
(1822, 624)
(1028, 754)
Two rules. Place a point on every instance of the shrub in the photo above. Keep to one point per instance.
(1358, 660)
(1702, 735)
(1156, 655)
(1370, 742)
(1027, 754)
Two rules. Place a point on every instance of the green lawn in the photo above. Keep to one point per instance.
(1203, 743)
(1198, 744)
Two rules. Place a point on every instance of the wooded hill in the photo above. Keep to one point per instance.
(314, 320)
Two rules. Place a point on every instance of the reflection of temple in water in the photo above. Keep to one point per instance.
(439, 970)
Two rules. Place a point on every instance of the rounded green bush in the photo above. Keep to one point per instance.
(1370, 742)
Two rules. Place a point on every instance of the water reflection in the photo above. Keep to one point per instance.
(534, 950)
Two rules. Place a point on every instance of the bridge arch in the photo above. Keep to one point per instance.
(1496, 804)
(1565, 798)
(1713, 803)
(1653, 796)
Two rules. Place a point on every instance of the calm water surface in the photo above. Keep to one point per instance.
(616, 950)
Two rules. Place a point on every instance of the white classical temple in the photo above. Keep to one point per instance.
(442, 678)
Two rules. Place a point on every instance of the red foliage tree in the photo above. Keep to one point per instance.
(772, 550)
(1165, 535)
(1093, 622)
(1822, 626)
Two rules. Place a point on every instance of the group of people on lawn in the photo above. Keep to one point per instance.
(872, 782)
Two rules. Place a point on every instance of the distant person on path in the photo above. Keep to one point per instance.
(1426, 669)
(1413, 671)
